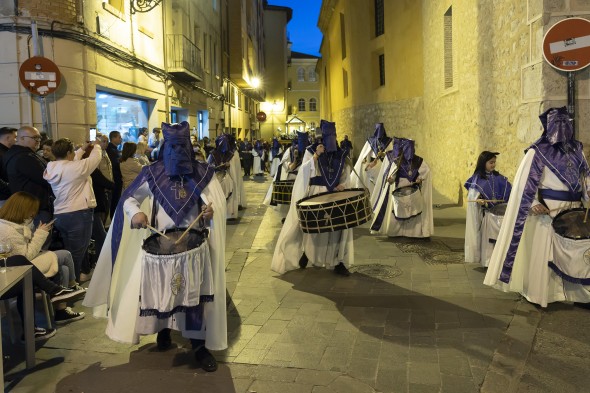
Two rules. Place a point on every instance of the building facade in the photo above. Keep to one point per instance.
(132, 64)
(458, 76)
(303, 94)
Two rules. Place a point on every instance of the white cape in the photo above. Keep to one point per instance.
(531, 275)
(419, 226)
(114, 290)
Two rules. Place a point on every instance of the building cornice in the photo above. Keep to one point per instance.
(326, 12)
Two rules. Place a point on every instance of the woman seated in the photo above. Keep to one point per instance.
(16, 228)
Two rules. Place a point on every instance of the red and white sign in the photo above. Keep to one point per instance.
(39, 75)
(566, 45)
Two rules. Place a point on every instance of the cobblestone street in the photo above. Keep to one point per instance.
(411, 318)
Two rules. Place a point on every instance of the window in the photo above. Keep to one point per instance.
(301, 105)
(120, 113)
(345, 82)
(118, 5)
(311, 75)
(312, 105)
(205, 53)
(379, 18)
(381, 70)
(343, 36)
(448, 47)
(301, 74)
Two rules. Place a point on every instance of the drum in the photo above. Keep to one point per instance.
(407, 202)
(281, 192)
(490, 228)
(571, 245)
(175, 280)
(334, 211)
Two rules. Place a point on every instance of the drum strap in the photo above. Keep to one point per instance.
(560, 195)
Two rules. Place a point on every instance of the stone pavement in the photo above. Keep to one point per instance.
(411, 318)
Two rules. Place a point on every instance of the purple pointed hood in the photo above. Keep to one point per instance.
(379, 131)
(302, 141)
(329, 135)
(176, 150)
(557, 125)
(222, 143)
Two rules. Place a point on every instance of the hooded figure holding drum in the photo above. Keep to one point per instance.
(402, 199)
(147, 283)
(370, 160)
(221, 159)
(542, 247)
(325, 172)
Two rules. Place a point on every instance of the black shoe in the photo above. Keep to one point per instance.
(341, 270)
(206, 360)
(164, 340)
(303, 261)
(67, 315)
(41, 334)
(62, 293)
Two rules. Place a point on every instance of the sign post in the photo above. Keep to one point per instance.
(566, 47)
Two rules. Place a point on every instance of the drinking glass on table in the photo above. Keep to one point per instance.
(5, 249)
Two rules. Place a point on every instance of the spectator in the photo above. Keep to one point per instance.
(113, 153)
(154, 142)
(24, 169)
(141, 153)
(15, 227)
(56, 292)
(46, 153)
(106, 169)
(130, 166)
(69, 176)
(7, 139)
(102, 187)
(143, 135)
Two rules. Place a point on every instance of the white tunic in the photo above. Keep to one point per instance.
(420, 226)
(114, 290)
(323, 249)
(368, 176)
(531, 275)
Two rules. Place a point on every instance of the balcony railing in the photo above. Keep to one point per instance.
(184, 57)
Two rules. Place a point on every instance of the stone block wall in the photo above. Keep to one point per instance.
(58, 10)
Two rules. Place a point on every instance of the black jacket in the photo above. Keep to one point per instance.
(113, 154)
(100, 184)
(24, 169)
(4, 189)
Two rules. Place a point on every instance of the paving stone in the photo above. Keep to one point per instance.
(425, 373)
(316, 378)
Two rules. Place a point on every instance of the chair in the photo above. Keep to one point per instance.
(8, 306)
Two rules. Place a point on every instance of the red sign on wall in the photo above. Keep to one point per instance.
(566, 45)
(39, 75)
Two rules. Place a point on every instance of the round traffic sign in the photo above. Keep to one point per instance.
(39, 75)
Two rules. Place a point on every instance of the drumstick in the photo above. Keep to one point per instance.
(486, 200)
(360, 178)
(190, 226)
(158, 232)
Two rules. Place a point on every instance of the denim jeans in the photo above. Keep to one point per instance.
(66, 267)
(76, 229)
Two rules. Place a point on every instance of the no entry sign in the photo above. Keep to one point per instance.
(566, 45)
(39, 75)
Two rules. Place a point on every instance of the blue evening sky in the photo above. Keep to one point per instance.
(302, 29)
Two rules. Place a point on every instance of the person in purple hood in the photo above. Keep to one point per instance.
(324, 168)
(402, 198)
(168, 194)
(486, 189)
(529, 257)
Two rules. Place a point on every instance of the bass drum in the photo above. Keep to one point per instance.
(334, 211)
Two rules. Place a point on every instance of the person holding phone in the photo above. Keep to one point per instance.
(69, 177)
(16, 228)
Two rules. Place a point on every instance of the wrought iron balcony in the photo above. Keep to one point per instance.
(184, 58)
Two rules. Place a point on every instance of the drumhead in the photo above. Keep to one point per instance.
(570, 224)
(405, 191)
(158, 245)
(284, 183)
(499, 209)
(327, 197)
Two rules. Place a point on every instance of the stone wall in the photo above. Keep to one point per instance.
(60, 10)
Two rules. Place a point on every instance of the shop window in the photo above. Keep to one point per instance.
(120, 113)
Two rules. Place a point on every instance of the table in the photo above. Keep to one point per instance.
(13, 276)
